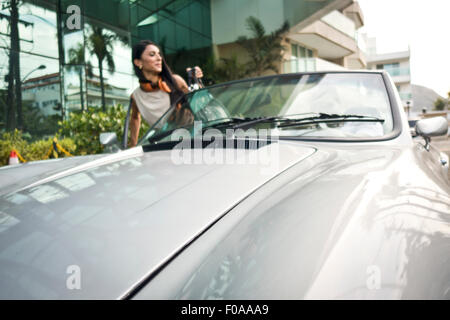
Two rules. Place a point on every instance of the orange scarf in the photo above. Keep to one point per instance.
(149, 86)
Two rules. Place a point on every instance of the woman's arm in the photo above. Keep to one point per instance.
(181, 83)
(135, 123)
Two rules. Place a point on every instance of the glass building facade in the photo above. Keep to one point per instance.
(59, 56)
(61, 45)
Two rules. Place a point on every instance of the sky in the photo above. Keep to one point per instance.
(424, 25)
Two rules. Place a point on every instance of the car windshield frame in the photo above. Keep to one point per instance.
(387, 82)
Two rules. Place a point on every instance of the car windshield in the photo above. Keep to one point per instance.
(328, 105)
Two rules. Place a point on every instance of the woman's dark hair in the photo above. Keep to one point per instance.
(166, 73)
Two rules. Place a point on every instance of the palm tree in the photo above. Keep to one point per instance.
(101, 43)
(76, 59)
(14, 96)
(264, 50)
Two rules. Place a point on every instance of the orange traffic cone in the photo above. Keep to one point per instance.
(13, 159)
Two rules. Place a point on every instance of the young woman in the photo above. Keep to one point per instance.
(158, 87)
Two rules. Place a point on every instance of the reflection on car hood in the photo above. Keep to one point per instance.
(115, 218)
(18, 176)
(326, 229)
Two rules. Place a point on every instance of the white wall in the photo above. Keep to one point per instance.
(340, 22)
(323, 65)
(404, 64)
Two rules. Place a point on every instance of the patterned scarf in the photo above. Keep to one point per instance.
(148, 86)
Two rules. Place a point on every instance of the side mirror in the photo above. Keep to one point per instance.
(109, 141)
(432, 127)
(108, 138)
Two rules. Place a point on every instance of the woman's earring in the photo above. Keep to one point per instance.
(140, 67)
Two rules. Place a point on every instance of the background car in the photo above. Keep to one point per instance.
(295, 186)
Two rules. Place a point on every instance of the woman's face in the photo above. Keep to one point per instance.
(151, 60)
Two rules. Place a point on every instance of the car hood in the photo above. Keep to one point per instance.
(341, 224)
(15, 177)
(94, 227)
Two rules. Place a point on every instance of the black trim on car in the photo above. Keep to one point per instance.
(236, 143)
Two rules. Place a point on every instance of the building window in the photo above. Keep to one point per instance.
(300, 52)
(294, 50)
(394, 65)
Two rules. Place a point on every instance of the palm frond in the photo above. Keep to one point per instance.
(256, 27)
(110, 63)
(89, 69)
(263, 50)
(76, 54)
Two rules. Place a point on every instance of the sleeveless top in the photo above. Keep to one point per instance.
(152, 105)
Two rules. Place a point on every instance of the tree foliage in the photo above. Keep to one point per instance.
(264, 54)
(439, 104)
(224, 69)
(85, 127)
(101, 43)
(77, 63)
(264, 51)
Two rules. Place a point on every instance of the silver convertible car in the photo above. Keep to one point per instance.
(295, 186)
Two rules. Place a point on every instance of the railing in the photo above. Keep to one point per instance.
(395, 72)
(309, 64)
(108, 91)
(299, 65)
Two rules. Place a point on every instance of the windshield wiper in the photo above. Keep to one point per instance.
(236, 122)
(282, 121)
(325, 117)
(287, 120)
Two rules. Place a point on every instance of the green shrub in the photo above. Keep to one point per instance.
(33, 151)
(9, 141)
(80, 135)
(38, 150)
(85, 127)
(439, 104)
